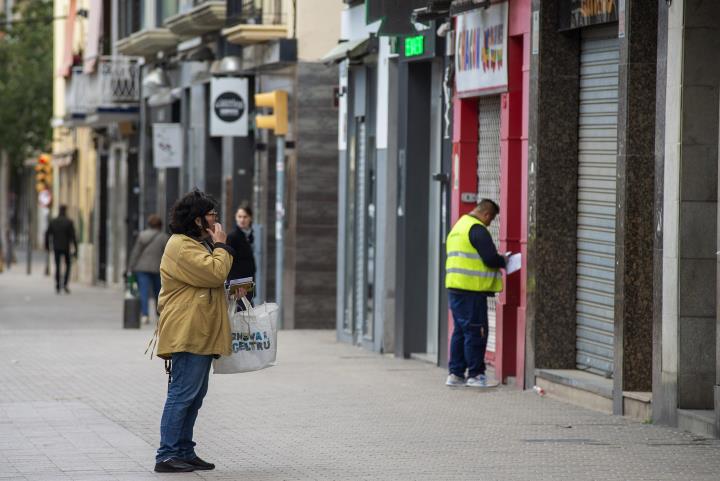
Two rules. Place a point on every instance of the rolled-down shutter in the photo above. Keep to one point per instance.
(596, 200)
(489, 177)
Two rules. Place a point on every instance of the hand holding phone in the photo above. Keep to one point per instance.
(217, 233)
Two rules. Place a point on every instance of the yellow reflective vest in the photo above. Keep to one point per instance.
(464, 268)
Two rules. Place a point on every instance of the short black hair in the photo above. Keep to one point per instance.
(188, 208)
(62, 210)
(487, 205)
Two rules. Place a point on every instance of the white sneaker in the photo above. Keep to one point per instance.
(145, 320)
(453, 380)
(480, 381)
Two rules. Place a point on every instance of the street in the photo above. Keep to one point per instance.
(79, 401)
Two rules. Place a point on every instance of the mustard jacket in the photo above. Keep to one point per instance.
(192, 305)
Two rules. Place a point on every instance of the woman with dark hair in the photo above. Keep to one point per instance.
(241, 240)
(145, 262)
(194, 325)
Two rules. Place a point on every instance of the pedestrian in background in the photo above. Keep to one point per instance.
(241, 240)
(145, 262)
(472, 274)
(194, 325)
(61, 235)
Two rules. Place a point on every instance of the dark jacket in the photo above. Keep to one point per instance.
(60, 233)
(243, 261)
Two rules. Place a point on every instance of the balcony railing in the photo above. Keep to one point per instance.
(115, 84)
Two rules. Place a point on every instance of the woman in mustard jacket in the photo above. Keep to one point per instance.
(193, 326)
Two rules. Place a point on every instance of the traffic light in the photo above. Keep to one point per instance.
(278, 120)
(43, 173)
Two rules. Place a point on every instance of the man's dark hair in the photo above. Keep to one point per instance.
(189, 207)
(487, 205)
(62, 210)
(246, 207)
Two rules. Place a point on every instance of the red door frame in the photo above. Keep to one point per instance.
(509, 357)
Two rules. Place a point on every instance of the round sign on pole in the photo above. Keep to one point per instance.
(229, 107)
(45, 198)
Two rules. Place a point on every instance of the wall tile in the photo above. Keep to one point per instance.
(697, 287)
(699, 179)
(698, 230)
(700, 115)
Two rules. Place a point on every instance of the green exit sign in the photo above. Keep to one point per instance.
(414, 46)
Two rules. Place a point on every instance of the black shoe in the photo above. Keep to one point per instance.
(174, 466)
(199, 464)
(67, 291)
(57, 290)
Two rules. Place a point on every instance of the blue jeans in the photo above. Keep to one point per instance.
(190, 374)
(147, 281)
(470, 331)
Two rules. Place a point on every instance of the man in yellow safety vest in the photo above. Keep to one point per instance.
(472, 274)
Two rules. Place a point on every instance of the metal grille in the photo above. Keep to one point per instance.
(597, 158)
(360, 301)
(489, 176)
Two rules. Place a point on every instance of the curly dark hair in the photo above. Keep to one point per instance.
(192, 205)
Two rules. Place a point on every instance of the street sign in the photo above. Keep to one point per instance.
(45, 198)
(167, 145)
(229, 107)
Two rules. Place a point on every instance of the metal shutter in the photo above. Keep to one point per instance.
(489, 177)
(596, 200)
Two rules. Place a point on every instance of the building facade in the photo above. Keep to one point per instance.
(602, 152)
(156, 65)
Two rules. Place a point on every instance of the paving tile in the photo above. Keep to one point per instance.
(82, 403)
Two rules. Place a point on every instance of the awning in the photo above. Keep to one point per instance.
(460, 6)
(95, 32)
(352, 49)
(67, 59)
(64, 158)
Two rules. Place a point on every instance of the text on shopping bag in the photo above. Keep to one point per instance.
(253, 341)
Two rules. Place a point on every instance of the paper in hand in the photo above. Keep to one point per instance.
(514, 263)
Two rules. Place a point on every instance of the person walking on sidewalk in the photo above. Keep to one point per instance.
(194, 325)
(472, 274)
(241, 240)
(145, 262)
(61, 234)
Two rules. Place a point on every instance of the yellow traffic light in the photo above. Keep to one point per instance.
(278, 120)
(43, 173)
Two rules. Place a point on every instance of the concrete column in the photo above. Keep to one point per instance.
(688, 327)
(552, 194)
(635, 192)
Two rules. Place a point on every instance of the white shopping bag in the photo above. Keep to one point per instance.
(254, 339)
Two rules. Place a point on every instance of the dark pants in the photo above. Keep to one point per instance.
(190, 373)
(148, 281)
(58, 256)
(470, 331)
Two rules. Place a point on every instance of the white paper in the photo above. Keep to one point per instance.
(514, 263)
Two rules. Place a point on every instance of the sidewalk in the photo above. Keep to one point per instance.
(78, 401)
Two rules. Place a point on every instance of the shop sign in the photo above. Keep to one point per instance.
(228, 107)
(481, 51)
(167, 145)
(414, 46)
(583, 13)
(419, 47)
